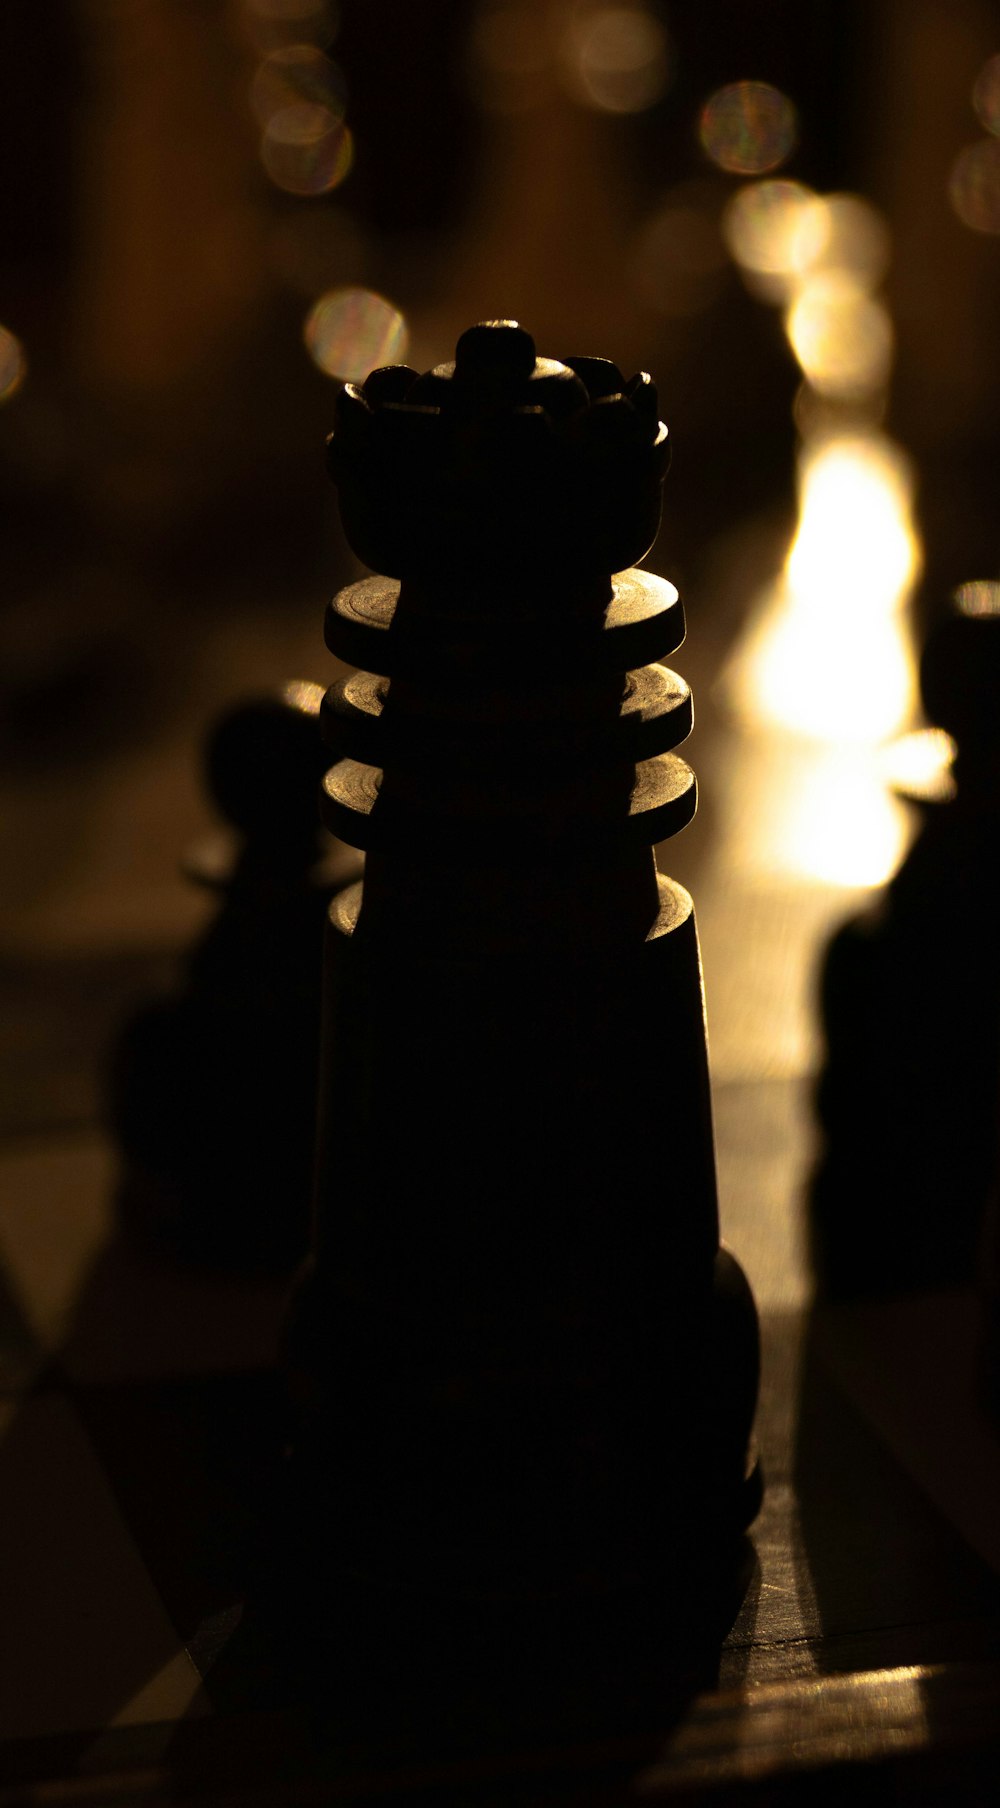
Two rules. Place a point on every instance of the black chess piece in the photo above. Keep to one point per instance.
(524, 1365)
(213, 1090)
(910, 996)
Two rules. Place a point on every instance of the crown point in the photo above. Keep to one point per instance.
(641, 392)
(495, 348)
(600, 375)
(388, 383)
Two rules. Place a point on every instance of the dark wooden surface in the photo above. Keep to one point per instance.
(134, 1397)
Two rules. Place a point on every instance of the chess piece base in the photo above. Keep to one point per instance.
(524, 1364)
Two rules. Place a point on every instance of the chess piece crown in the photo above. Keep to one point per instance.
(518, 697)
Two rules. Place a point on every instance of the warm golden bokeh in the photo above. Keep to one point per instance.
(774, 232)
(841, 336)
(349, 332)
(821, 814)
(828, 664)
(617, 58)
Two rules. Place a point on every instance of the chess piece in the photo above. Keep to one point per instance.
(911, 1010)
(523, 1362)
(213, 1090)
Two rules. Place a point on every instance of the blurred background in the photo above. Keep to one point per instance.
(215, 211)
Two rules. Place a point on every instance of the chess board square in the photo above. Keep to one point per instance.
(108, 1310)
(90, 1639)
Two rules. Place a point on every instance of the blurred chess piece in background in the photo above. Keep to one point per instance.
(213, 1090)
(911, 1008)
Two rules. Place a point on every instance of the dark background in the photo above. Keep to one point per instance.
(169, 534)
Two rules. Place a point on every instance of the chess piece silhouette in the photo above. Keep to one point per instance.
(213, 1090)
(910, 993)
(524, 1365)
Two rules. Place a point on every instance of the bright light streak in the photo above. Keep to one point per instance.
(834, 820)
(841, 336)
(830, 654)
(828, 661)
(855, 549)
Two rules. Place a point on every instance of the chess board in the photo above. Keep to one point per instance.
(141, 1417)
(142, 1414)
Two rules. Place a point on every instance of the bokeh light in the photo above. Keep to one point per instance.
(678, 265)
(617, 58)
(986, 95)
(852, 236)
(974, 186)
(349, 332)
(981, 597)
(296, 73)
(306, 150)
(13, 364)
(748, 128)
(841, 336)
(774, 230)
(855, 552)
(830, 817)
(829, 653)
(781, 232)
(921, 765)
(828, 661)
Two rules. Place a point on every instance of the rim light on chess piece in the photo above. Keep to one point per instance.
(527, 1367)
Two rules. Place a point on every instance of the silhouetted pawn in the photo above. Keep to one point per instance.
(911, 1009)
(213, 1091)
(527, 1369)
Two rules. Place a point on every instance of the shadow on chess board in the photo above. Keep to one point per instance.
(161, 1615)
